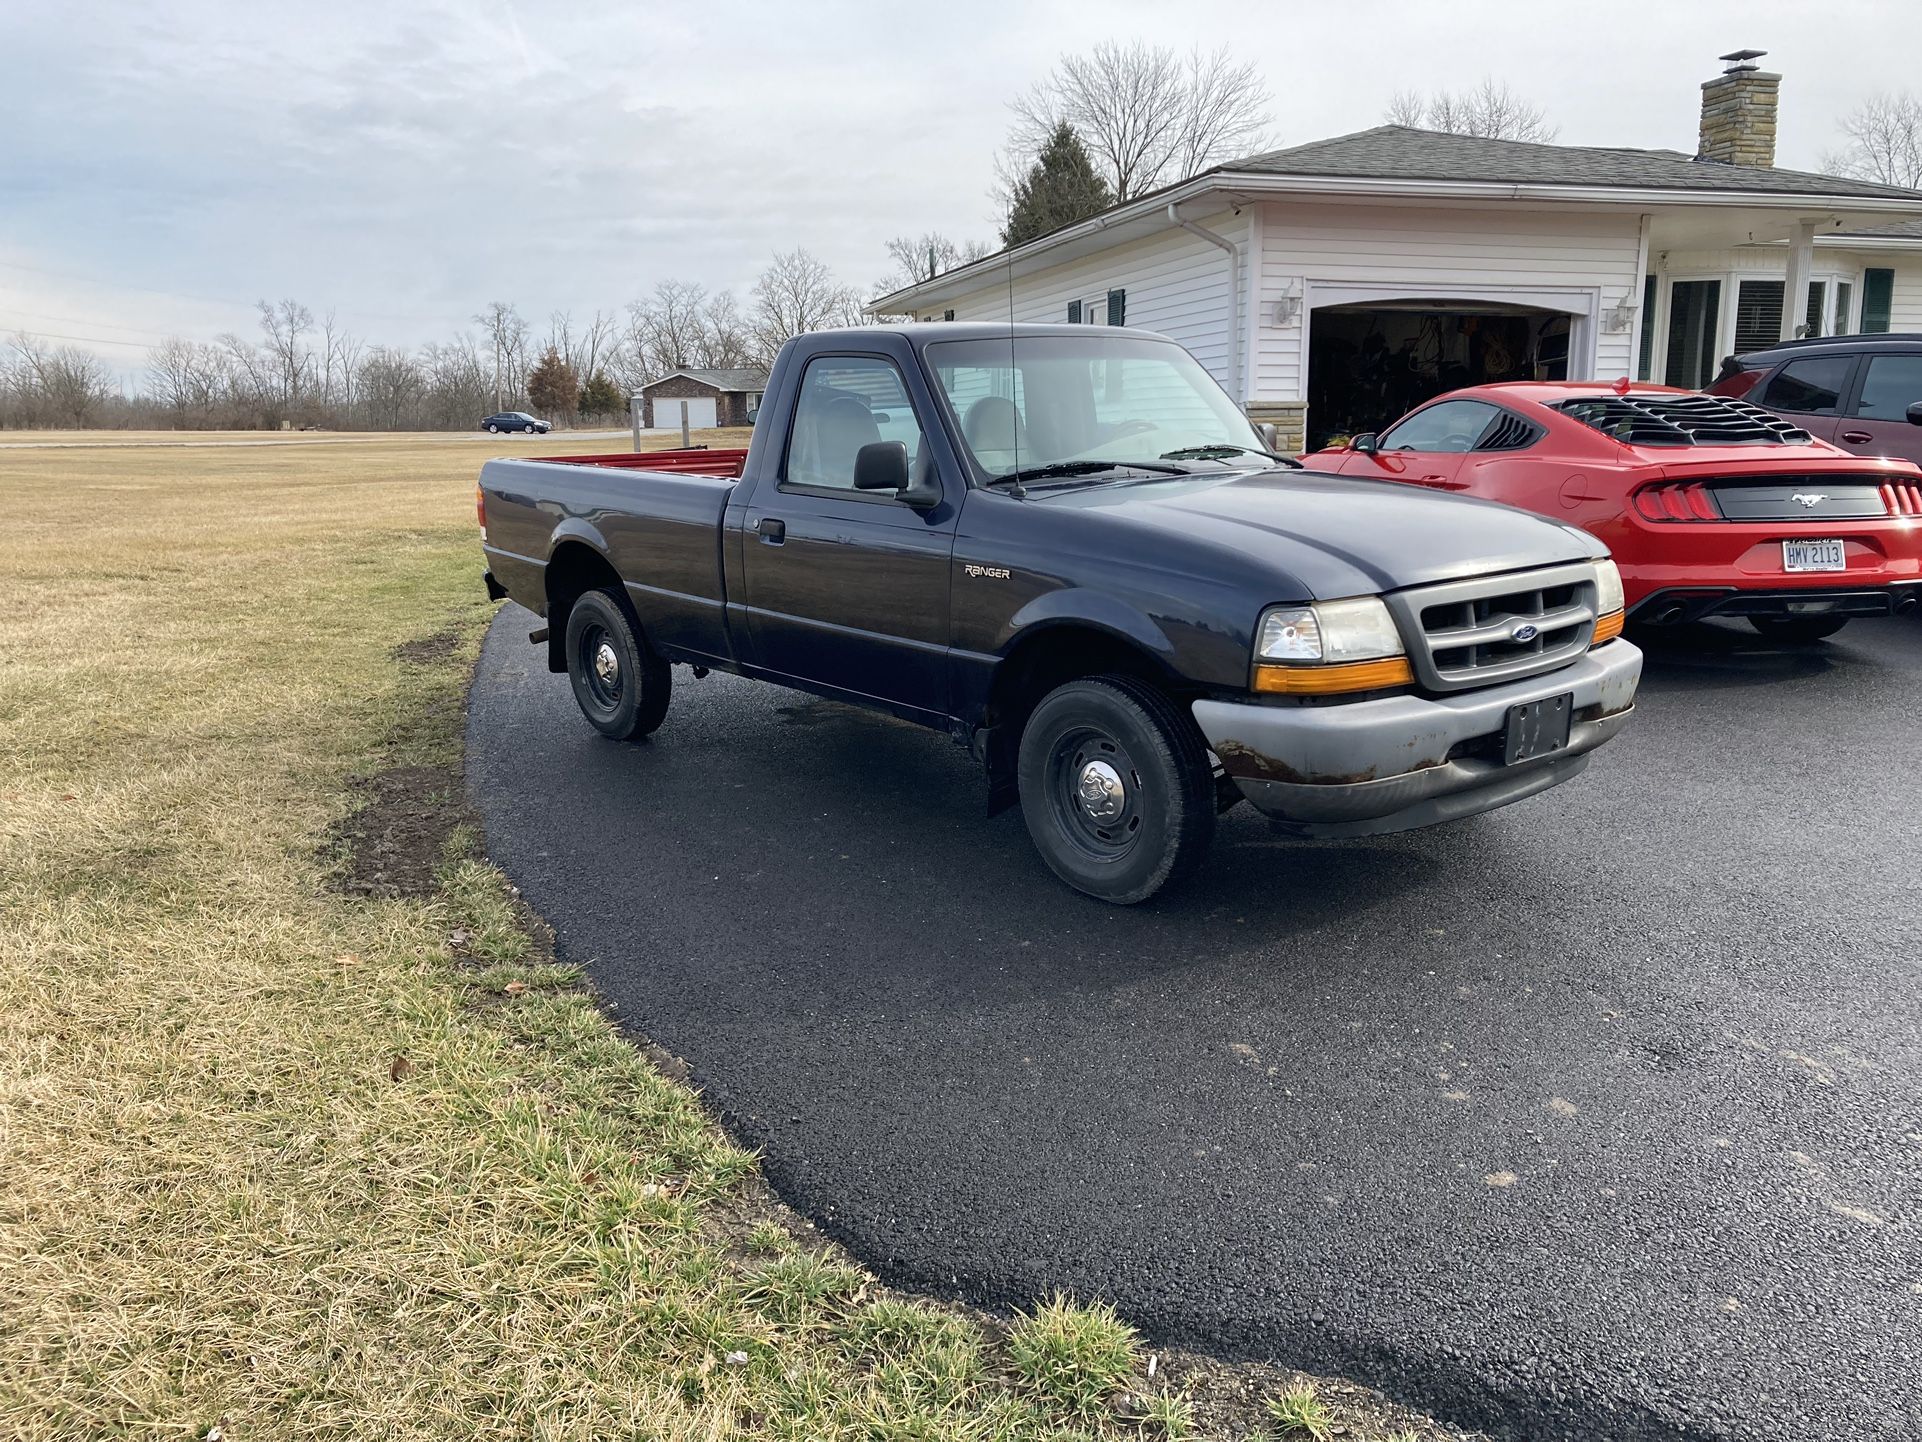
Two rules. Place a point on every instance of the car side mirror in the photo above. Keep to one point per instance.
(1368, 443)
(1270, 434)
(1914, 413)
(881, 466)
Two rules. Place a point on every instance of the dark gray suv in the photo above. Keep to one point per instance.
(1860, 392)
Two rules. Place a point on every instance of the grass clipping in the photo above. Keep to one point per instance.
(295, 1146)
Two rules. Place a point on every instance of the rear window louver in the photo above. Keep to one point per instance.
(1692, 420)
(1509, 433)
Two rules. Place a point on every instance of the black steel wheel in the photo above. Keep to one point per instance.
(621, 686)
(1116, 788)
(1798, 630)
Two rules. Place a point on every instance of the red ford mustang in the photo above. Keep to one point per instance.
(1712, 506)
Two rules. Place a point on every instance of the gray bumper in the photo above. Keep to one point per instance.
(1366, 767)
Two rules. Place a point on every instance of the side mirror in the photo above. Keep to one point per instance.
(1368, 443)
(1914, 413)
(881, 466)
(1270, 434)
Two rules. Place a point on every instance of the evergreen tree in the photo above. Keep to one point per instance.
(1060, 188)
(601, 397)
(552, 386)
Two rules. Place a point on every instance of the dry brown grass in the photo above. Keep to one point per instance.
(280, 1160)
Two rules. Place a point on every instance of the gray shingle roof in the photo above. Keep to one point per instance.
(1901, 230)
(1399, 152)
(721, 380)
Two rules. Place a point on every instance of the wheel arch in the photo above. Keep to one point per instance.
(1044, 655)
(576, 566)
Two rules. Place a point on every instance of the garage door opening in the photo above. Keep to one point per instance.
(1368, 364)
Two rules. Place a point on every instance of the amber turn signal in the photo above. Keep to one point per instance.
(1607, 628)
(1331, 680)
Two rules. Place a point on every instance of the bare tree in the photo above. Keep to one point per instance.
(666, 331)
(1885, 141)
(584, 347)
(55, 385)
(1148, 115)
(286, 327)
(795, 294)
(727, 340)
(188, 378)
(923, 257)
(1491, 110)
(504, 330)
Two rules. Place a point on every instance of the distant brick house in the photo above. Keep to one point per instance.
(712, 398)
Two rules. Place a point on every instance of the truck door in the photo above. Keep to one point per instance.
(843, 588)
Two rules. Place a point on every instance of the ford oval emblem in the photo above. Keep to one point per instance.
(1527, 631)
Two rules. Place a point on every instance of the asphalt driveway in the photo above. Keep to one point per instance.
(1600, 1116)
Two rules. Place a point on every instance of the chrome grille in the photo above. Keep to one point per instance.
(1489, 629)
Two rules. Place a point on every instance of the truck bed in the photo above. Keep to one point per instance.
(694, 461)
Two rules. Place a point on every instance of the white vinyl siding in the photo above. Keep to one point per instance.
(1585, 261)
(1176, 282)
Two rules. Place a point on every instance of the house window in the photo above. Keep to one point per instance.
(1844, 298)
(1818, 297)
(1758, 315)
(1694, 308)
(1878, 299)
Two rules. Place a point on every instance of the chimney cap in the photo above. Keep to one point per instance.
(1740, 60)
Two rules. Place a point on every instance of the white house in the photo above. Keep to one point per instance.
(1332, 285)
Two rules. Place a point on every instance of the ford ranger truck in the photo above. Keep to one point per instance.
(1068, 549)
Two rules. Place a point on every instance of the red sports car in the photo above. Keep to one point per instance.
(1712, 506)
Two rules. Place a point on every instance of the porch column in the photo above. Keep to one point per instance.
(1795, 294)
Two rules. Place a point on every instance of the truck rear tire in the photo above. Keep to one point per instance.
(1116, 788)
(621, 687)
(1798, 630)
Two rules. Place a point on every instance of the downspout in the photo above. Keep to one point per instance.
(1234, 297)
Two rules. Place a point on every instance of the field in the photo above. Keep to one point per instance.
(302, 1131)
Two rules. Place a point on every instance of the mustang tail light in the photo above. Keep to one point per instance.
(1902, 499)
(1677, 501)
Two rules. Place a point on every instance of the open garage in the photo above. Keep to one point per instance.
(1369, 363)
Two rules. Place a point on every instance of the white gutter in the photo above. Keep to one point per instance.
(1234, 294)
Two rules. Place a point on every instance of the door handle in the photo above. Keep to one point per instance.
(1857, 438)
(773, 532)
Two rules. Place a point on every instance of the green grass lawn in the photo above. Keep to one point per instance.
(304, 1137)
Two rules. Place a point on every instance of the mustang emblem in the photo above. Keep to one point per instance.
(1527, 631)
(1809, 498)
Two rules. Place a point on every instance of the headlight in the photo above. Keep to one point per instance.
(1329, 647)
(1609, 599)
(1359, 629)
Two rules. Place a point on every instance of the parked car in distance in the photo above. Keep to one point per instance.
(1068, 550)
(1860, 392)
(509, 421)
(1710, 506)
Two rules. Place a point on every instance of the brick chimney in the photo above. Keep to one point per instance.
(1738, 113)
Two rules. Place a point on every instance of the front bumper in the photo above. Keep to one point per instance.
(1367, 767)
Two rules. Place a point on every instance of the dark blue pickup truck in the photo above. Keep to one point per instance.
(1068, 549)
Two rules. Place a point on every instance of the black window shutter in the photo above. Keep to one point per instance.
(1117, 307)
(947, 315)
(1074, 312)
(1878, 298)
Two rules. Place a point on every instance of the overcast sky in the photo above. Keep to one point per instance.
(165, 165)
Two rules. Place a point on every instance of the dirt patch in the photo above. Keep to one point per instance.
(393, 844)
(429, 650)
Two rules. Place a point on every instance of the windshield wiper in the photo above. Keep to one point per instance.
(1216, 449)
(1085, 468)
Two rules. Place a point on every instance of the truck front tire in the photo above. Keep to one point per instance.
(1116, 788)
(621, 687)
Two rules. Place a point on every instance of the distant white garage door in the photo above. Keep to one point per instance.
(700, 413)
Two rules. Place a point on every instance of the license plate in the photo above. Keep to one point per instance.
(1537, 728)
(1814, 556)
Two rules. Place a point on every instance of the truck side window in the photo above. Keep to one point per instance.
(847, 402)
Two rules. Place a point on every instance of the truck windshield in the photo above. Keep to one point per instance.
(1048, 401)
